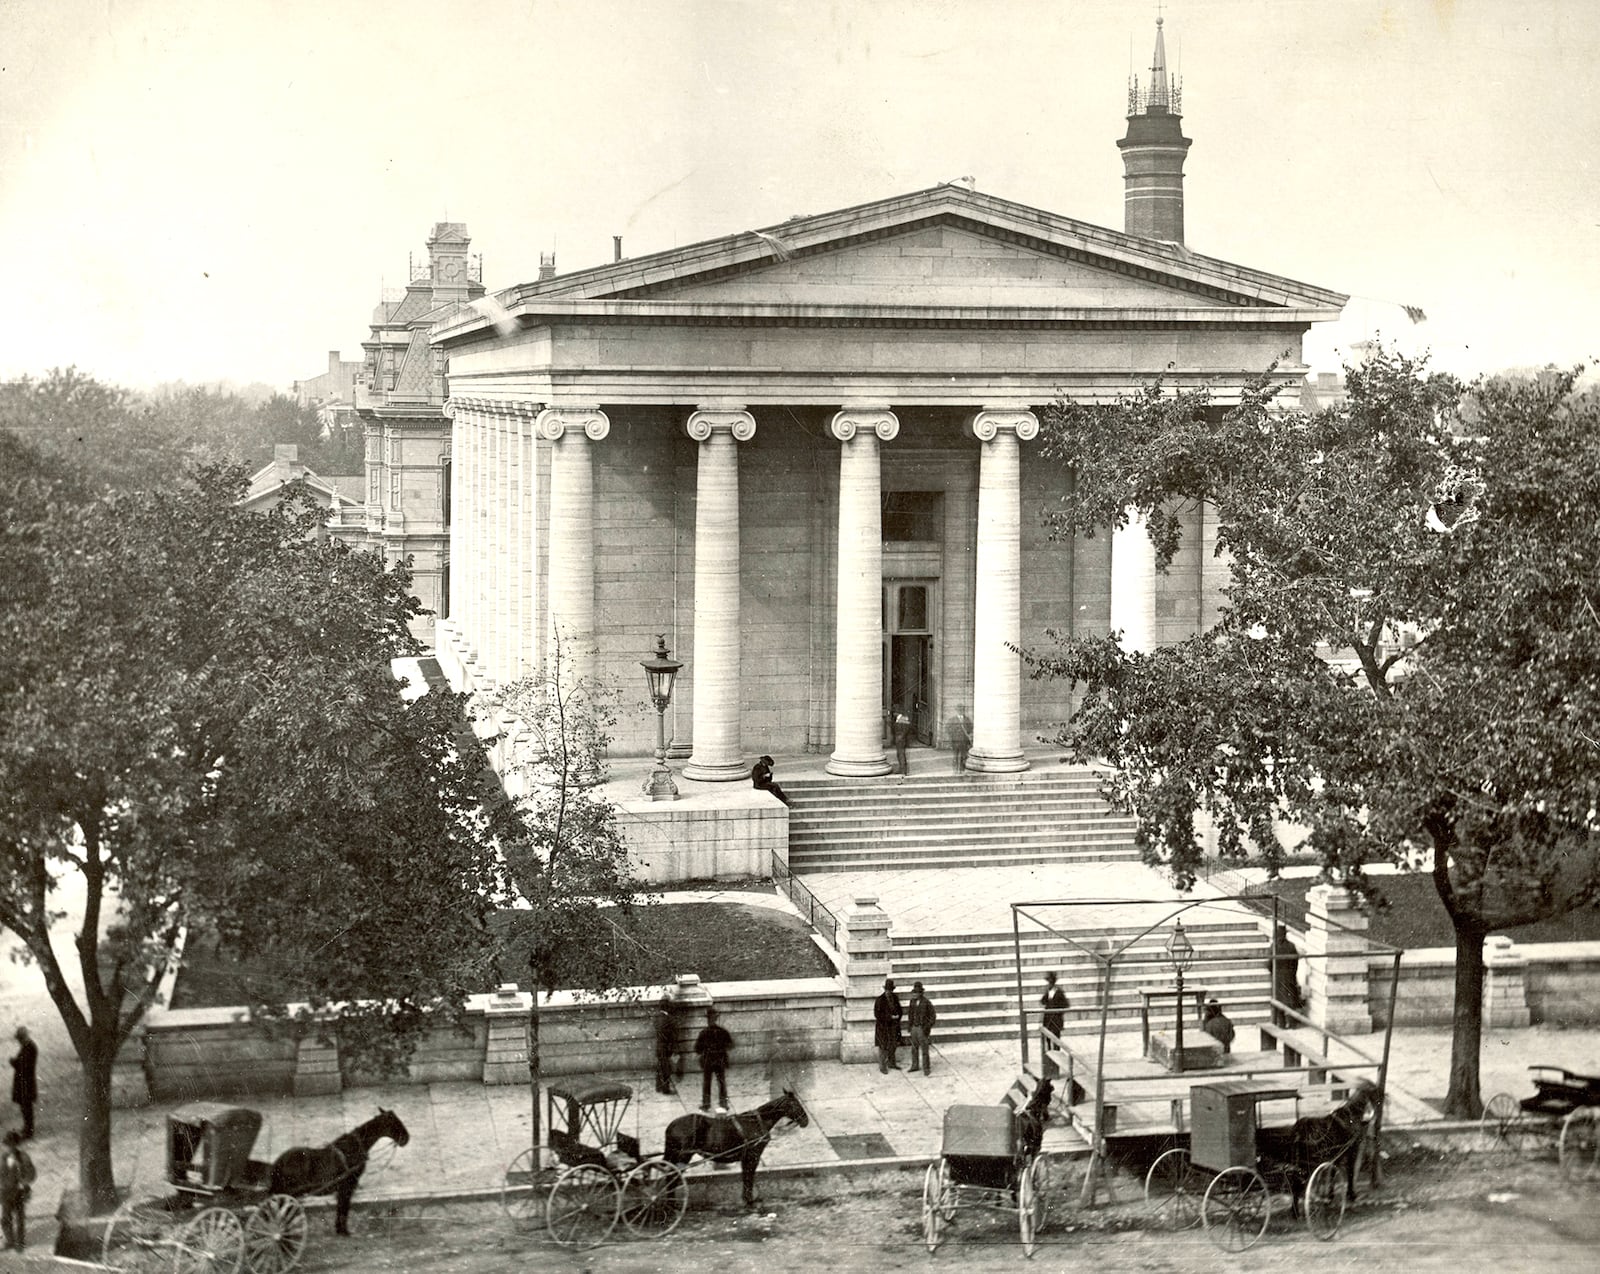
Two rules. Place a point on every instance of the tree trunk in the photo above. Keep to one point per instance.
(1462, 1100)
(96, 1180)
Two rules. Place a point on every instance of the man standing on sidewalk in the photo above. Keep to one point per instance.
(712, 1047)
(1055, 1005)
(16, 1184)
(920, 1017)
(886, 1015)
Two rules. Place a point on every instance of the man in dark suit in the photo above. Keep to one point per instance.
(24, 1078)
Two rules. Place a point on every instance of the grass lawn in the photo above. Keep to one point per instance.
(721, 941)
(1416, 918)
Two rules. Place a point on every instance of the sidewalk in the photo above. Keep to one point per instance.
(464, 1134)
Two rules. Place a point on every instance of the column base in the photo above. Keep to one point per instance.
(991, 763)
(708, 772)
(858, 767)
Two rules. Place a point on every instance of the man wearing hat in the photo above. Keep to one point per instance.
(886, 1016)
(712, 1047)
(920, 1017)
(16, 1184)
(1217, 1025)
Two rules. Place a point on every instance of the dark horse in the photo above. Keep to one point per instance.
(732, 1138)
(1318, 1138)
(337, 1167)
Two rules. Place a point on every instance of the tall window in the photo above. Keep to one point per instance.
(444, 488)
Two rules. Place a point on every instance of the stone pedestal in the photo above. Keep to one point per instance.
(1505, 993)
(505, 1055)
(316, 1067)
(866, 965)
(130, 1082)
(1336, 961)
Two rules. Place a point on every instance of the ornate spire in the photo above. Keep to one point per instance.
(1165, 94)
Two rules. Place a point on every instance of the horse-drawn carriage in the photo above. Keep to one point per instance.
(222, 1214)
(1226, 1177)
(600, 1176)
(987, 1159)
(1564, 1109)
(227, 1212)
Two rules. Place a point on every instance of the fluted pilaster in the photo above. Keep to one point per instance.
(997, 626)
(718, 755)
(570, 430)
(858, 644)
(1133, 584)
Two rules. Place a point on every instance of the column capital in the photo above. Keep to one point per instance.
(880, 420)
(709, 420)
(552, 422)
(985, 424)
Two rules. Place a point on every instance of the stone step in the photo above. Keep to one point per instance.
(930, 860)
(962, 820)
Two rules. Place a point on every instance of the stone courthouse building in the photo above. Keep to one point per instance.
(807, 455)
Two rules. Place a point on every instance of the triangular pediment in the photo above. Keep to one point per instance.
(948, 248)
(949, 264)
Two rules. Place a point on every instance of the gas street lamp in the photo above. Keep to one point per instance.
(1180, 955)
(659, 672)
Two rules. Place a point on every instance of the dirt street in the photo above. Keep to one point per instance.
(1435, 1212)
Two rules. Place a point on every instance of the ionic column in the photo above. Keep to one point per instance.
(1133, 583)
(570, 431)
(858, 640)
(718, 756)
(997, 622)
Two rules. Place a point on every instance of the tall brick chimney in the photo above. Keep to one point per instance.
(1152, 154)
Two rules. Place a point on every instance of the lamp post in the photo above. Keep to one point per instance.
(1180, 955)
(659, 671)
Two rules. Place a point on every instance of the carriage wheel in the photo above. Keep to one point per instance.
(1325, 1200)
(1173, 1189)
(933, 1218)
(1032, 1206)
(521, 1198)
(212, 1243)
(654, 1198)
(139, 1238)
(583, 1207)
(274, 1235)
(1580, 1144)
(1236, 1209)
(1500, 1128)
(947, 1192)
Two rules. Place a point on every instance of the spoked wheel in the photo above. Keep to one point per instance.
(1236, 1209)
(139, 1238)
(933, 1218)
(521, 1198)
(583, 1207)
(1032, 1207)
(947, 1192)
(1173, 1189)
(1325, 1200)
(212, 1243)
(1500, 1128)
(274, 1235)
(1580, 1144)
(654, 1198)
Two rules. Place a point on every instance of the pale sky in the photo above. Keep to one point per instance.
(220, 190)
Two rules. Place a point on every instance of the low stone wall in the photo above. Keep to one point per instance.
(723, 837)
(195, 1053)
(1555, 982)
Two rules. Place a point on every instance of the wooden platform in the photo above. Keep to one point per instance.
(1144, 1099)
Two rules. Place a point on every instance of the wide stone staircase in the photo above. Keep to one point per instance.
(907, 824)
(972, 978)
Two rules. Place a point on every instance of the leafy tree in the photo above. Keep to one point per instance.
(573, 867)
(1458, 518)
(105, 433)
(198, 718)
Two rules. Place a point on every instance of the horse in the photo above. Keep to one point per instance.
(1316, 1139)
(737, 1139)
(335, 1168)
